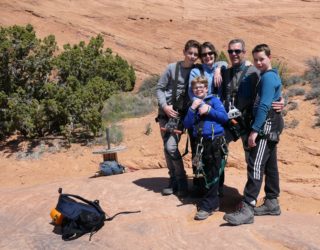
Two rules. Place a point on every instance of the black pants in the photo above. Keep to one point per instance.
(262, 160)
(212, 157)
(193, 145)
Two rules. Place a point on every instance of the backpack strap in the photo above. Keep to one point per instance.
(175, 85)
(235, 84)
(230, 87)
(94, 203)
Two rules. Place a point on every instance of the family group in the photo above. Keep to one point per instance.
(219, 103)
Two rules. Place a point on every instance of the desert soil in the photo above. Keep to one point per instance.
(150, 34)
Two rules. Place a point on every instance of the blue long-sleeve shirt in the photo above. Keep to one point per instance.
(212, 122)
(269, 90)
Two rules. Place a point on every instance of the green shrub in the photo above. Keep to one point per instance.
(44, 93)
(148, 87)
(292, 124)
(313, 70)
(313, 94)
(222, 57)
(292, 80)
(148, 129)
(315, 83)
(317, 123)
(282, 70)
(295, 92)
(125, 106)
(115, 134)
(292, 106)
(88, 61)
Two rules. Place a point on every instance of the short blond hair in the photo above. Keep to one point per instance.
(199, 79)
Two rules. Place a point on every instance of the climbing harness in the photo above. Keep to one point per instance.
(198, 163)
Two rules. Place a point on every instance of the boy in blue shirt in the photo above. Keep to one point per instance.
(206, 117)
(266, 127)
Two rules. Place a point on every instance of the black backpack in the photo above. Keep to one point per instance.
(79, 218)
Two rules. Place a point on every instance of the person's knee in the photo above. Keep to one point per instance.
(172, 151)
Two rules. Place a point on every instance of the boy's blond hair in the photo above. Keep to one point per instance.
(199, 79)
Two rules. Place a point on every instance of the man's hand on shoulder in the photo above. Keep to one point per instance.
(252, 139)
(278, 106)
(217, 77)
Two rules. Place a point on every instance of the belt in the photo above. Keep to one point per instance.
(216, 138)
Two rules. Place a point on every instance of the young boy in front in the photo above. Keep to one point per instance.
(206, 117)
(265, 131)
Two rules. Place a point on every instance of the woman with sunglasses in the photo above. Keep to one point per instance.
(209, 68)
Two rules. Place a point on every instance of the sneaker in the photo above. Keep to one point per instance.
(167, 191)
(202, 215)
(244, 215)
(269, 207)
(171, 188)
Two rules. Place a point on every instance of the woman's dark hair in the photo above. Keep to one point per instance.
(211, 47)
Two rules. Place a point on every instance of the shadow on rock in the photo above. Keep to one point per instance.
(228, 202)
(155, 184)
(230, 199)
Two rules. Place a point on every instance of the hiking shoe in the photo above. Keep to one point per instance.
(202, 215)
(269, 207)
(167, 191)
(244, 215)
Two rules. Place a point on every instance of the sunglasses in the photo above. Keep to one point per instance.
(208, 53)
(236, 51)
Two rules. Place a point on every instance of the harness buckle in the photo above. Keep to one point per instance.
(197, 159)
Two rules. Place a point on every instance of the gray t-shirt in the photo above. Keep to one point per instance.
(165, 84)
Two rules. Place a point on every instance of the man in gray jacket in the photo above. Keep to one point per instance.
(239, 90)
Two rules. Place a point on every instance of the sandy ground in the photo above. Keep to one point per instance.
(29, 191)
(143, 33)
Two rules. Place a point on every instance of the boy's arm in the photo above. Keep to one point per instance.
(161, 87)
(160, 91)
(266, 97)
